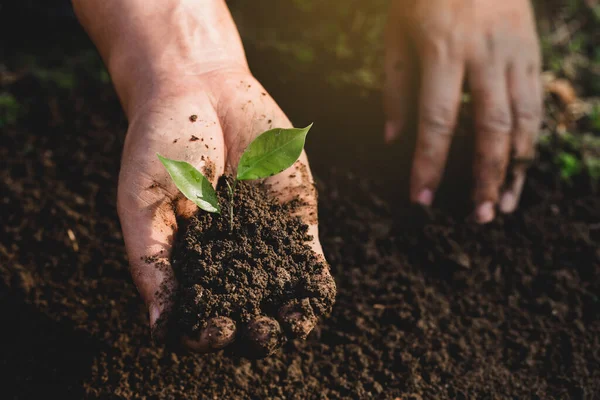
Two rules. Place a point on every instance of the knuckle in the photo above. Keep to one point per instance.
(527, 117)
(440, 44)
(143, 280)
(138, 274)
(524, 114)
(496, 120)
(457, 43)
(524, 147)
(436, 47)
(437, 119)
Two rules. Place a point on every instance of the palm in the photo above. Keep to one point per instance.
(237, 110)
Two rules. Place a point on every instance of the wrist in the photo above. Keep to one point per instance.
(137, 81)
(150, 46)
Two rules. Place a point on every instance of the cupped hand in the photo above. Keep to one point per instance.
(231, 109)
(432, 46)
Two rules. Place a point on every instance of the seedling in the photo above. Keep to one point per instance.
(270, 153)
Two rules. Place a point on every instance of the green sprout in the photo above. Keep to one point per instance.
(269, 154)
(192, 184)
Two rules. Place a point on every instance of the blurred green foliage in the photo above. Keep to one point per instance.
(570, 40)
(570, 165)
(63, 79)
(343, 40)
(577, 153)
(10, 109)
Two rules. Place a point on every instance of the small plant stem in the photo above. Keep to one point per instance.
(231, 190)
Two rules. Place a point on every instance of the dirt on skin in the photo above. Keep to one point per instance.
(251, 269)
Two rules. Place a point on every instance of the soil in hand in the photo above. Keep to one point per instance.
(250, 269)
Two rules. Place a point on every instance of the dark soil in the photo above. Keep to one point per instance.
(253, 268)
(429, 305)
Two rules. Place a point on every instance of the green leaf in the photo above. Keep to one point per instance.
(192, 184)
(271, 152)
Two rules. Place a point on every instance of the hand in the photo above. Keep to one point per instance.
(495, 45)
(232, 108)
(169, 60)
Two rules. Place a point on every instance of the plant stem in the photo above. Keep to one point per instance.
(231, 190)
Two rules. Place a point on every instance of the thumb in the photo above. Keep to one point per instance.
(149, 224)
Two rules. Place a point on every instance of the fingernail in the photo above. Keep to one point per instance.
(392, 130)
(298, 318)
(220, 332)
(154, 314)
(264, 337)
(485, 212)
(508, 203)
(425, 197)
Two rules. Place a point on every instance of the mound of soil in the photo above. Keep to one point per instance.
(256, 267)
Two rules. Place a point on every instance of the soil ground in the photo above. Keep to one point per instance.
(429, 305)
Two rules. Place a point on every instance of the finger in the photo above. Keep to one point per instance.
(440, 94)
(493, 125)
(400, 71)
(263, 336)
(316, 298)
(525, 92)
(219, 333)
(298, 318)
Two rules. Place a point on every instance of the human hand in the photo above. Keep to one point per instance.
(170, 60)
(431, 45)
(232, 108)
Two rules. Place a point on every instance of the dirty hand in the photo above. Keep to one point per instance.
(431, 47)
(183, 63)
(232, 109)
